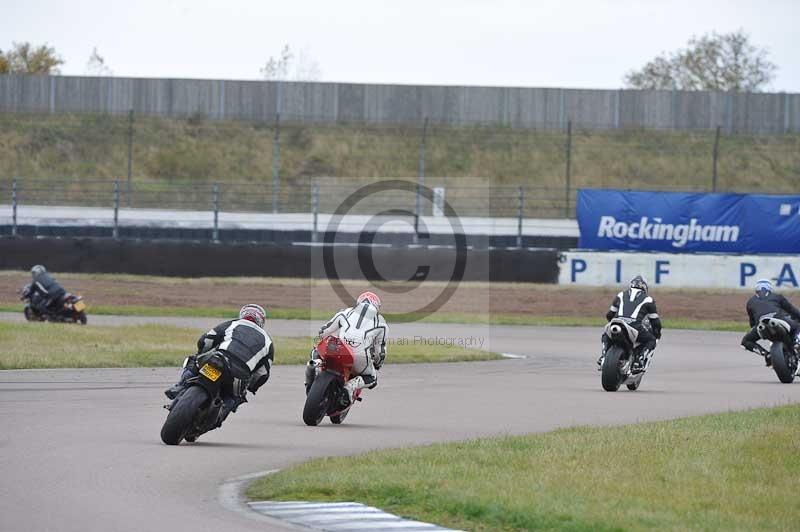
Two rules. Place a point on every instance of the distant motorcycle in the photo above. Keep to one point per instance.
(72, 309)
(616, 364)
(198, 408)
(325, 394)
(783, 357)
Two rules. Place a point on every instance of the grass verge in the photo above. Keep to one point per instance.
(52, 345)
(439, 317)
(734, 471)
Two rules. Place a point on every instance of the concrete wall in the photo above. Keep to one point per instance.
(590, 268)
(188, 259)
(333, 102)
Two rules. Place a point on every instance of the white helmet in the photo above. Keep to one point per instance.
(37, 270)
(254, 313)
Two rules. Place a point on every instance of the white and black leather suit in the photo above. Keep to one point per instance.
(248, 348)
(46, 292)
(365, 331)
(635, 305)
(769, 303)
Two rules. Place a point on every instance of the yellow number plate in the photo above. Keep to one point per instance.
(79, 306)
(211, 372)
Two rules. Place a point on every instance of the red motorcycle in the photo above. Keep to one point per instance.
(326, 395)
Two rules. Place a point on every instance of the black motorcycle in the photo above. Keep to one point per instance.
(616, 363)
(198, 408)
(71, 309)
(783, 356)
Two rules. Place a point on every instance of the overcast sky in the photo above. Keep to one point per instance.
(583, 44)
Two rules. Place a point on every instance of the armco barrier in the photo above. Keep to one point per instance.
(590, 268)
(188, 259)
(281, 237)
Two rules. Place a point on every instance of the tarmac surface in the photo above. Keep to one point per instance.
(80, 449)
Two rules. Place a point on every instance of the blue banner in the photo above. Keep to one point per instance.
(681, 222)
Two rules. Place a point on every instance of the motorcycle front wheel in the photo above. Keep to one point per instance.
(182, 414)
(319, 398)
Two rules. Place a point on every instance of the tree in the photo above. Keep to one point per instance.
(726, 62)
(23, 58)
(286, 66)
(96, 66)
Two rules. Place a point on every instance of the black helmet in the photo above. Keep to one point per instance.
(37, 270)
(639, 282)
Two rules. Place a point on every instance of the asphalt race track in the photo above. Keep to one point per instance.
(80, 449)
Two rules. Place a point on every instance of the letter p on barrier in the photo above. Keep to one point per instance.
(577, 266)
(746, 269)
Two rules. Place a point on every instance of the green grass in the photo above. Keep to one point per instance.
(735, 471)
(90, 146)
(51, 345)
(439, 317)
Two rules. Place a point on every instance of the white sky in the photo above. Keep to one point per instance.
(584, 44)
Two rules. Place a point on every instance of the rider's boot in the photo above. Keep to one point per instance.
(311, 370)
(641, 361)
(229, 404)
(189, 370)
(603, 349)
(352, 386)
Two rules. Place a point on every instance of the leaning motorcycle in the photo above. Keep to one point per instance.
(784, 357)
(617, 361)
(72, 310)
(325, 394)
(198, 408)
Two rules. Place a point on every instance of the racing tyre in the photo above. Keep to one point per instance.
(182, 414)
(29, 315)
(611, 378)
(784, 364)
(82, 319)
(319, 399)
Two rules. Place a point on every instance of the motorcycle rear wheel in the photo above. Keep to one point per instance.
(611, 378)
(182, 414)
(319, 399)
(783, 364)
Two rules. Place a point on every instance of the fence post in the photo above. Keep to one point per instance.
(14, 207)
(520, 214)
(276, 164)
(130, 158)
(314, 209)
(215, 201)
(115, 232)
(715, 159)
(420, 180)
(568, 169)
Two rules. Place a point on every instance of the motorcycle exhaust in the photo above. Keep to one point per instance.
(615, 329)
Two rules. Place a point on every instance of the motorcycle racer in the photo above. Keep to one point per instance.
(764, 302)
(364, 329)
(247, 346)
(635, 305)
